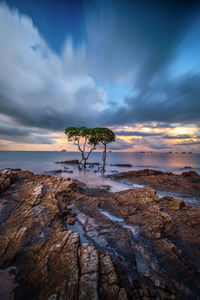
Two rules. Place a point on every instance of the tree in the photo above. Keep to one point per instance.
(81, 136)
(103, 136)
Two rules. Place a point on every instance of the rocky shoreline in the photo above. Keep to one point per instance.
(187, 183)
(140, 245)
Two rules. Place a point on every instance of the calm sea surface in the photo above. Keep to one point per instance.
(43, 161)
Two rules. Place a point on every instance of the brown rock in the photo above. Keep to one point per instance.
(187, 183)
(71, 220)
(49, 261)
(68, 162)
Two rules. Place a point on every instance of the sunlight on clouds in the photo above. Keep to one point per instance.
(41, 92)
(152, 137)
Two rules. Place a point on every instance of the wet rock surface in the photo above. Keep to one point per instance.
(39, 257)
(187, 183)
(154, 241)
(140, 246)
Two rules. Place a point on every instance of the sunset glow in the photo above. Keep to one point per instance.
(144, 83)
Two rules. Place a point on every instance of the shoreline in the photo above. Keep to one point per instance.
(186, 184)
(140, 244)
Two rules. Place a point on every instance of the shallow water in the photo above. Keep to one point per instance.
(41, 161)
(120, 221)
(44, 161)
(76, 227)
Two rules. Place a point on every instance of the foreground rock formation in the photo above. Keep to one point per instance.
(187, 183)
(139, 246)
(39, 257)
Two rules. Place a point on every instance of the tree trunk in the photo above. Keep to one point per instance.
(84, 164)
(104, 158)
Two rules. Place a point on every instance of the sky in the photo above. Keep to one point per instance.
(132, 66)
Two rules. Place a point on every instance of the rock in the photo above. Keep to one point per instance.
(165, 228)
(7, 177)
(54, 296)
(89, 265)
(56, 171)
(187, 183)
(35, 244)
(157, 235)
(106, 187)
(68, 162)
(68, 171)
(157, 283)
(7, 283)
(143, 239)
(175, 203)
(92, 164)
(71, 220)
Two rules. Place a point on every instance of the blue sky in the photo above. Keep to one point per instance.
(55, 20)
(130, 65)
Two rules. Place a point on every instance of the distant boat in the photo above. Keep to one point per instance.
(63, 150)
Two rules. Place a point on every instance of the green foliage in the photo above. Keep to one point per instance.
(75, 133)
(102, 135)
(92, 137)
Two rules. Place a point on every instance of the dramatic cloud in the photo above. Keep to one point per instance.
(136, 65)
(142, 43)
(177, 137)
(176, 101)
(121, 145)
(26, 135)
(38, 88)
(136, 133)
(138, 39)
(190, 143)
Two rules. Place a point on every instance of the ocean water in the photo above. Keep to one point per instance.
(44, 161)
(41, 161)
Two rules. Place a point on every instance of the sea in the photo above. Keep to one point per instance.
(45, 162)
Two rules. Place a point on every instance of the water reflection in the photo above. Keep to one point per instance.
(41, 161)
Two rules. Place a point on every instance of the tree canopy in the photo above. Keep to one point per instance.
(104, 136)
(83, 136)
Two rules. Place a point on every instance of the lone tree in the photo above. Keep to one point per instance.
(103, 136)
(82, 136)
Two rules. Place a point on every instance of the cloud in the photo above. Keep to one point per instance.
(25, 135)
(175, 101)
(177, 137)
(136, 133)
(192, 143)
(137, 38)
(141, 43)
(136, 44)
(153, 143)
(38, 88)
(120, 144)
